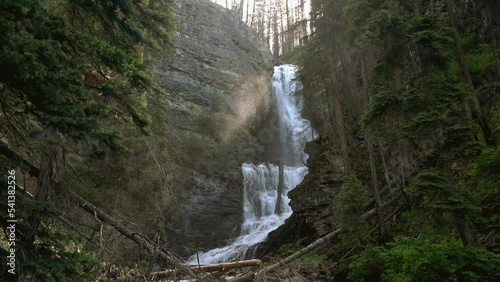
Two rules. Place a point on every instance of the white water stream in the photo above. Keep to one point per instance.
(260, 182)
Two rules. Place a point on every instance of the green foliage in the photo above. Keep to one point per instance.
(381, 104)
(479, 56)
(71, 73)
(313, 74)
(488, 165)
(437, 195)
(56, 254)
(428, 185)
(80, 69)
(425, 259)
(426, 105)
(459, 142)
(421, 110)
(292, 57)
(350, 204)
(310, 257)
(485, 169)
(368, 19)
(434, 38)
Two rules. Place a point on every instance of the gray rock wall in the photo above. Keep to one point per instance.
(219, 85)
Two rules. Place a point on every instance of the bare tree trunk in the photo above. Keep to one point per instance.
(253, 14)
(466, 235)
(82, 203)
(496, 48)
(289, 29)
(386, 171)
(376, 192)
(276, 41)
(262, 27)
(337, 108)
(248, 6)
(398, 84)
(141, 240)
(281, 183)
(44, 185)
(269, 21)
(241, 8)
(467, 79)
(303, 24)
(416, 7)
(402, 159)
(371, 157)
(282, 31)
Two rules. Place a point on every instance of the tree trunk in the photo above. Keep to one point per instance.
(44, 185)
(466, 235)
(269, 17)
(496, 47)
(276, 41)
(248, 6)
(384, 165)
(136, 237)
(206, 268)
(376, 192)
(337, 108)
(398, 85)
(303, 33)
(402, 171)
(371, 157)
(262, 27)
(416, 7)
(82, 203)
(251, 275)
(282, 31)
(281, 183)
(467, 79)
(289, 29)
(253, 14)
(241, 8)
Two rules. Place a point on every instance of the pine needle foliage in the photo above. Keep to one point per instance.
(351, 203)
(70, 68)
(81, 71)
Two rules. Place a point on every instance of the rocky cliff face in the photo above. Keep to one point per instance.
(219, 85)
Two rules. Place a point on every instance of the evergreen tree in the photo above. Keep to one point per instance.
(71, 71)
(426, 84)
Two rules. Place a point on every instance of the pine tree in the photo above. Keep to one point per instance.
(72, 71)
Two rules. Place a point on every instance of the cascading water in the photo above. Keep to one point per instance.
(260, 182)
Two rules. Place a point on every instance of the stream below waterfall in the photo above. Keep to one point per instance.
(260, 181)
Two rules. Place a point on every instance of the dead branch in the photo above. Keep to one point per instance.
(248, 277)
(6, 151)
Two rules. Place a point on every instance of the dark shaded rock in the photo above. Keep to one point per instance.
(312, 201)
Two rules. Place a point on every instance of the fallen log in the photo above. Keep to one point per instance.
(6, 151)
(136, 237)
(248, 277)
(206, 268)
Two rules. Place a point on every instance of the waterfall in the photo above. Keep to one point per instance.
(260, 181)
